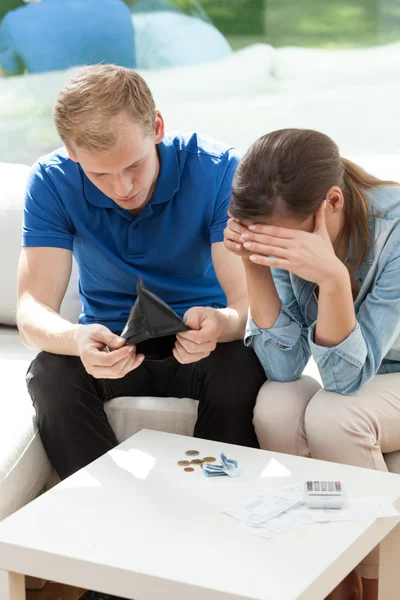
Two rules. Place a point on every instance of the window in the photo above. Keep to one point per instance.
(322, 23)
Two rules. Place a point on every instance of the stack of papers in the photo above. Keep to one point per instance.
(283, 509)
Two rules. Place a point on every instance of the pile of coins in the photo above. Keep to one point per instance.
(187, 464)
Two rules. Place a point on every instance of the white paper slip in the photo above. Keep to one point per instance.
(282, 510)
(293, 518)
(360, 509)
(258, 509)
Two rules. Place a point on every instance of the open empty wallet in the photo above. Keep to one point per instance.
(152, 325)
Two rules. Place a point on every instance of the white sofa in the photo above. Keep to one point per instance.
(238, 99)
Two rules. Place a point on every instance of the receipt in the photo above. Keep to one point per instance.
(283, 509)
(260, 508)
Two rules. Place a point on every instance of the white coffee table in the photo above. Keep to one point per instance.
(134, 524)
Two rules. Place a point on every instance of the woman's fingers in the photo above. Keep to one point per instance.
(232, 234)
(270, 261)
(266, 240)
(235, 227)
(266, 250)
(232, 241)
(272, 230)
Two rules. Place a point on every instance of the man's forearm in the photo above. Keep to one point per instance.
(264, 302)
(336, 316)
(41, 328)
(232, 321)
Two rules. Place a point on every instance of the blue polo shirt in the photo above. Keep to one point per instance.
(168, 242)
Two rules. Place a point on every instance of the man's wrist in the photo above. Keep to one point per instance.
(76, 330)
(230, 325)
(222, 315)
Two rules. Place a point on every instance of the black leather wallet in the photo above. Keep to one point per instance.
(152, 325)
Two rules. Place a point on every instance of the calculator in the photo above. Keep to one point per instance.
(324, 494)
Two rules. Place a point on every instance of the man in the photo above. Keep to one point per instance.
(129, 200)
(49, 35)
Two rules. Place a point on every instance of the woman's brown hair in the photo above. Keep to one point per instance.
(291, 171)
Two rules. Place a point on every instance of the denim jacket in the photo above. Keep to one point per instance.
(374, 345)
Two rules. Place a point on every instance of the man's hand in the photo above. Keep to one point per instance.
(93, 341)
(192, 346)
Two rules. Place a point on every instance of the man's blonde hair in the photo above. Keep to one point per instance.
(96, 102)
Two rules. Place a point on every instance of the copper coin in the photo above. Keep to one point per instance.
(188, 469)
(183, 463)
(209, 459)
(192, 452)
(196, 461)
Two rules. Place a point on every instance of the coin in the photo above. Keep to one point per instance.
(183, 463)
(188, 469)
(209, 459)
(196, 461)
(192, 452)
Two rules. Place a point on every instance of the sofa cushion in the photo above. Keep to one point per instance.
(24, 466)
(13, 179)
(128, 415)
(12, 187)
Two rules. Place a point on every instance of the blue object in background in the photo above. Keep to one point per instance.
(57, 34)
(171, 39)
(167, 36)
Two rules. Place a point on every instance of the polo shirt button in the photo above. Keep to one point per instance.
(135, 226)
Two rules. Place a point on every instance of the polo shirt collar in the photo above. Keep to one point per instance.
(169, 176)
(167, 183)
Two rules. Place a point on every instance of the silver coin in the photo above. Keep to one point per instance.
(192, 452)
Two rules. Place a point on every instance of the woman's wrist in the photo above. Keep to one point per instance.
(336, 278)
(264, 302)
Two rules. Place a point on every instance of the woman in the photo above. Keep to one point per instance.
(320, 242)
